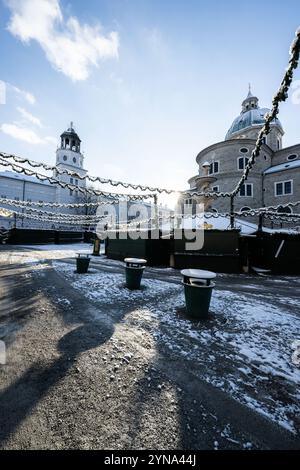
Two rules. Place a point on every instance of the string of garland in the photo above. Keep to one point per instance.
(93, 217)
(51, 220)
(127, 227)
(4, 157)
(257, 212)
(289, 218)
(280, 206)
(66, 216)
(72, 187)
(282, 219)
(15, 202)
(281, 96)
(74, 174)
(277, 215)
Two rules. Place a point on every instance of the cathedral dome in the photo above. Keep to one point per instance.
(251, 115)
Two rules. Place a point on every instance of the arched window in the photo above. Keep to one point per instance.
(214, 168)
(242, 162)
(189, 202)
(245, 209)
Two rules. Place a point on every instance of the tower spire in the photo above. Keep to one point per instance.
(249, 92)
(251, 102)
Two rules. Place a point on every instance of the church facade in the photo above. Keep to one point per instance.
(274, 179)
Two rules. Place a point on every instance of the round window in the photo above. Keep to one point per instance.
(74, 159)
(244, 150)
(292, 157)
(65, 158)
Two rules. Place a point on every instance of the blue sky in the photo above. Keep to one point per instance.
(160, 80)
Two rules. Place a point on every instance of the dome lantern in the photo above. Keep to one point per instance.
(251, 117)
(251, 102)
(70, 139)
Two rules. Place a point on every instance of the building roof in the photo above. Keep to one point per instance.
(251, 115)
(282, 167)
(223, 223)
(21, 177)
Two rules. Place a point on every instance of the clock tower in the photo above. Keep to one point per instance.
(69, 156)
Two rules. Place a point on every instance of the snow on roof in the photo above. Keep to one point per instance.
(282, 167)
(21, 177)
(223, 223)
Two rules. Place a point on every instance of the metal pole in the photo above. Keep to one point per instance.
(23, 197)
(260, 223)
(155, 198)
(232, 212)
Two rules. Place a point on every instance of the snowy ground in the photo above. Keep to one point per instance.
(243, 352)
(38, 253)
(244, 349)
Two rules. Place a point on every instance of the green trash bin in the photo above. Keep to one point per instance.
(198, 291)
(82, 262)
(134, 272)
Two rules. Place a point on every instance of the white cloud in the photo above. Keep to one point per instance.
(51, 140)
(2, 92)
(70, 47)
(21, 133)
(29, 117)
(26, 134)
(29, 97)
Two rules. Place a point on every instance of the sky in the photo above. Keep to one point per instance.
(147, 83)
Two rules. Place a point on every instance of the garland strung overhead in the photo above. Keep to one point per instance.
(72, 187)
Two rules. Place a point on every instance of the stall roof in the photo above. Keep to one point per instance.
(21, 177)
(282, 167)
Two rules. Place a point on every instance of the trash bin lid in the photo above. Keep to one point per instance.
(198, 274)
(135, 260)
